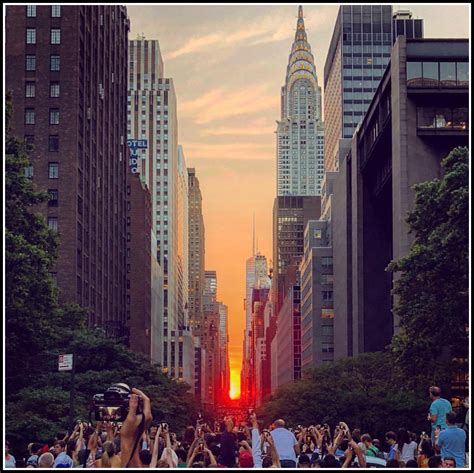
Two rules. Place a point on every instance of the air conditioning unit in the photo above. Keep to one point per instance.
(101, 20)
(89, 113)
(101, 91)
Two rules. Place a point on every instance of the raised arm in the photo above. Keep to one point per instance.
(256, 442)
(360, 454)
(154, 453)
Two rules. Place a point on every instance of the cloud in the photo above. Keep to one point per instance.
(221, 103)
(275, 26)
(239, 131)
(237, 150)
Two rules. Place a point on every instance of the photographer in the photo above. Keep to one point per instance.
(133, 428)
(228, 444)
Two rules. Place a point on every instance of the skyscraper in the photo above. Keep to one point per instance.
(358, 55)
(224, 349)
(210, 340)
(196, 259)
(153, 117)
(256, 277)
(300, 131)
(67, 74)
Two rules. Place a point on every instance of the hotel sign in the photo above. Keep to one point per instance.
(134, 146)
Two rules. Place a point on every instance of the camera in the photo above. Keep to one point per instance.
(113, 404)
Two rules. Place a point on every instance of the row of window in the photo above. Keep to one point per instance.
(55, 36)
(55, 11)
(30, 116)
(55, 62)
(30, 90)
(437, 74)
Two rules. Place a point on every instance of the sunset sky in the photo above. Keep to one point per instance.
(228, 64)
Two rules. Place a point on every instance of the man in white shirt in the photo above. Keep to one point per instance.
(286, 444)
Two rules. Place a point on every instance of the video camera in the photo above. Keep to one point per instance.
(113, 404)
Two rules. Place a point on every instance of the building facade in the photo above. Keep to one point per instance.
(152, 116)
(286, 345)
(256, 277)
(418, 115)
(300, 130)
(196, 241)
(290, 216)
(144, 275)
(358, 55)
(317, 310)
(66, 69)
(224, 351)
(210, 341)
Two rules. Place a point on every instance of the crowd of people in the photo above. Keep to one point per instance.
(140, 442)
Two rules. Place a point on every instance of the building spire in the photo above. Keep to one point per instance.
(300, 12)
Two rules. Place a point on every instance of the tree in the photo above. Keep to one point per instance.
(432, 287)
(29, 255)
(366, 391)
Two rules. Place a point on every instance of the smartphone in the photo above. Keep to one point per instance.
(201, 447)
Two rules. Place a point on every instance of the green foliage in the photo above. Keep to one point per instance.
(366, 392)
(38, 330)
(30, 248)
(432, 287)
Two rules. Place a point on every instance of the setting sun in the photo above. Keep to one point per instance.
(234, 392)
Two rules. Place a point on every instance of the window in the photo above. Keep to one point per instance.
(327, 295)
(55, 62)
(54, 89)
(31, 11)
(53, 116)
(29, 116)
(53, 143)
(462, 73)
(29, 171)
(30, 90)
(414, 75)
(447, 72)
(56, 11)
(53, 170)
(53, 223)
(30, 62)
(55, 36)
(30, 35)
(53, 197)
(326, 261)
(430, 74)
(30, 140)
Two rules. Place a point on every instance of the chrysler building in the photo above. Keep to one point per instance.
(300, 131)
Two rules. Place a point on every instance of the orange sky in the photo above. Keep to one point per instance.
(228, 63)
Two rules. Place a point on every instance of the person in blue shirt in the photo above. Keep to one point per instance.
(438, 410)
(391, 439)
(452, 441)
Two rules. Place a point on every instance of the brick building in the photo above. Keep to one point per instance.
(66, 69)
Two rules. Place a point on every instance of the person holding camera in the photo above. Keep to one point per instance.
(138, 419)
(228, 444)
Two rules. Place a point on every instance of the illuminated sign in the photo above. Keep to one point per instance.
(134, 146)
